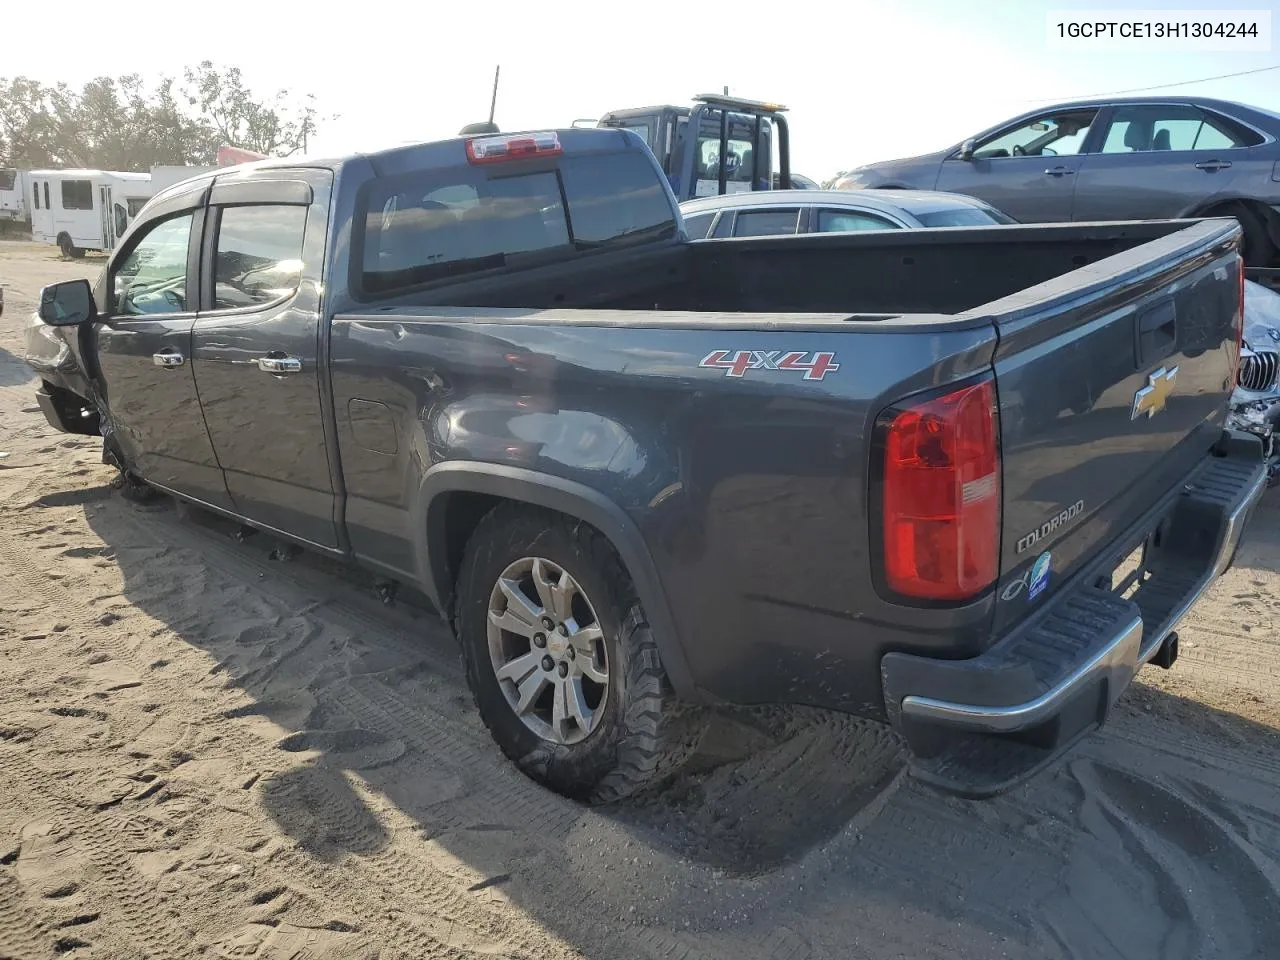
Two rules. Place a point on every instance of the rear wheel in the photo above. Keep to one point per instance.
(561, 659)
(65, 246)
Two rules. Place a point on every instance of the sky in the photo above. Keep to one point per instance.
(865, 80)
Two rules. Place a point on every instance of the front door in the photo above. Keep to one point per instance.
(104, 215)
(143, 355)
(257, 349)
(1029, 171)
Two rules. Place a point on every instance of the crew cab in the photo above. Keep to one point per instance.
(963, 481)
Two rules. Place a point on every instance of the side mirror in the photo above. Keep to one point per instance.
(67, 304)
(966, 149)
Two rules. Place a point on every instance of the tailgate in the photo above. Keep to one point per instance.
(1113, 383)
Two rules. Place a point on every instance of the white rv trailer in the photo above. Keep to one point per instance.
(83, 210)
(13, 194)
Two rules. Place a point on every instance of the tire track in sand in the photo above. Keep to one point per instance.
(468, 918)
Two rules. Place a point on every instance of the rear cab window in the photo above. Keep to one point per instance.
(440, 224)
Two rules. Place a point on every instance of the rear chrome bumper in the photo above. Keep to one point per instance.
(978, 727)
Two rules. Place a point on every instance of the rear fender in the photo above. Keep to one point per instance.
(552, 493)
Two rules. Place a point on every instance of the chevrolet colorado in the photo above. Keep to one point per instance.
(963, 481)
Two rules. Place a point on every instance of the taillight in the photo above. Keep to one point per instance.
(941, 496)
(513, 146)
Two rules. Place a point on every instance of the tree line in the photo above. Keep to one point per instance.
(124, 123)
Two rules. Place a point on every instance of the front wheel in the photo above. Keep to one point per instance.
(561, 659)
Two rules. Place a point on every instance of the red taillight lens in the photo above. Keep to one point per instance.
(942, 496)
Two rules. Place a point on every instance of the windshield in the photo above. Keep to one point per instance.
(963, 217)
(438, 224)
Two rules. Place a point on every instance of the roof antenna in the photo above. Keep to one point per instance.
(485, 126)
(493, 101)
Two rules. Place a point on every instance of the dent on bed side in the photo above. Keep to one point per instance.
(502, 482)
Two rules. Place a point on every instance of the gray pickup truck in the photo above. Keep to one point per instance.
(962, 481)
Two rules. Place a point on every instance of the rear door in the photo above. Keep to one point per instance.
(257, 347)
(1029, 170)
(1157, 161)
(1112, 383)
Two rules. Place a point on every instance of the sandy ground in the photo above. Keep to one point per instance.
(208, 752)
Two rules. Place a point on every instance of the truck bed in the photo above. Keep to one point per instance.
(874, 275)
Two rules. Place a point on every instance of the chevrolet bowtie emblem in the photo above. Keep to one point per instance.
(1151, 398)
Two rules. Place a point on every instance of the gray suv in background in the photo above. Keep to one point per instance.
(1130, 159)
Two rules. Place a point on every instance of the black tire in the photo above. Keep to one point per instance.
(645, 734)
(134, 489)
(65, 246)
(1258, 249)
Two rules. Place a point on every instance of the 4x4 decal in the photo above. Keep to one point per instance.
(736, 363)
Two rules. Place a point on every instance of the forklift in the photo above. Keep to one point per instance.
(731, 152)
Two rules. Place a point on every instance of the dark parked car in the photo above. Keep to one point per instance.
(887, 473)
(781, 212)
(1131, 159)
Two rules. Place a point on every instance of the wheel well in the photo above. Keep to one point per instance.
(1263, 212)
(1267, 217)
(455, 514)
(454, 496)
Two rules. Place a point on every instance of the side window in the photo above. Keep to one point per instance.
(698, 225)
(77, 195)
(46, 196)
(723, 225)
(35, 192)
(1055, 135)
(766, 223)
(258, 256)
(122, 219)
(847, 221)
(152, 278)
(1144, 129)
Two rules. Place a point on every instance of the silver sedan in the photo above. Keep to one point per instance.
(777, 212)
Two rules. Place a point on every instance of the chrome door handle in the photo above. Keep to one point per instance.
(1059, 171)
(279, 364)
(168, 358)
(1213, 165)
